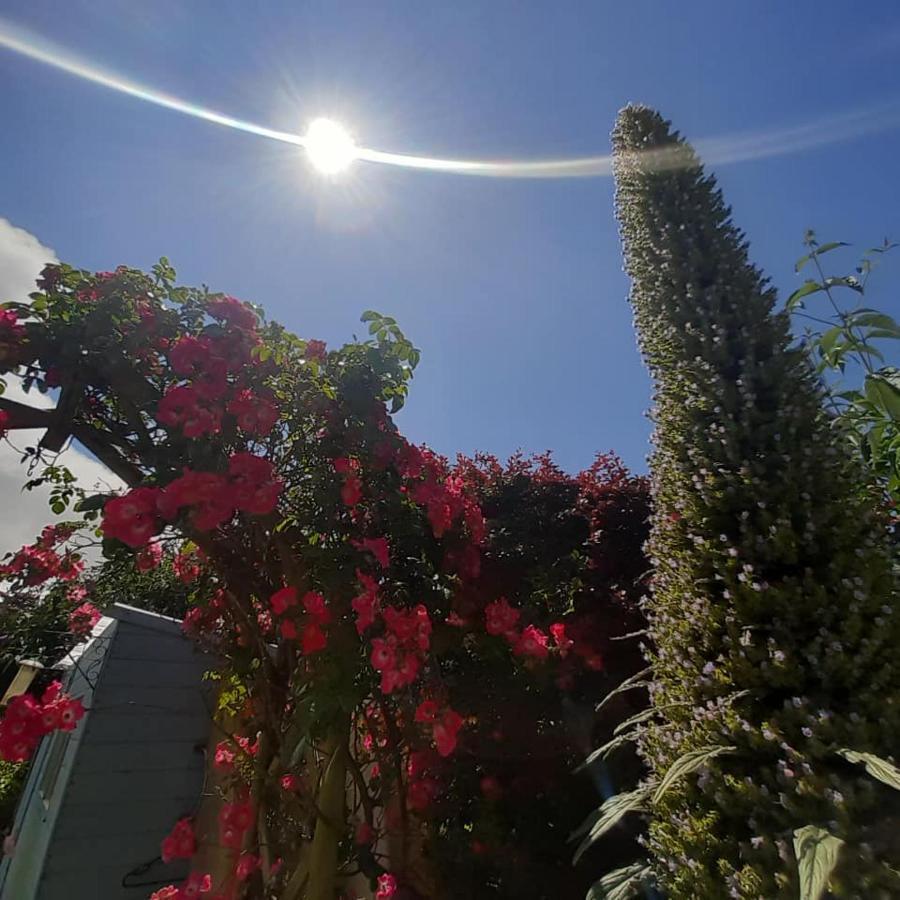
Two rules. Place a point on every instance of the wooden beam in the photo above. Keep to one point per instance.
(63, 417)
(95, 441)
(23, 416)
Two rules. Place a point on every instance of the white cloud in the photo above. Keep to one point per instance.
(22, 256)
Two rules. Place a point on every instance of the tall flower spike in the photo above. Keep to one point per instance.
(771, 613)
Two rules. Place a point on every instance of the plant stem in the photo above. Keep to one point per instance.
(323, 854)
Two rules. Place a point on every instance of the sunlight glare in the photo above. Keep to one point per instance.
(331, 149)
(329, 146)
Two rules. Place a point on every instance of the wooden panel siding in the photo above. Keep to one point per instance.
(93, 821)
(140, 767)
(131, 756)
(181, 727)
(164, 649)
(103, 880)
(37, 817)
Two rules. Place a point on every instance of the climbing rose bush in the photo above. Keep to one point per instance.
(360, 597)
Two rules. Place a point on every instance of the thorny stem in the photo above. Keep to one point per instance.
(368, 806)
(394, 738)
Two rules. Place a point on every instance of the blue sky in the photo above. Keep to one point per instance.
(513, 289)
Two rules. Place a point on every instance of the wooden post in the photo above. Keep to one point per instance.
(28, 669)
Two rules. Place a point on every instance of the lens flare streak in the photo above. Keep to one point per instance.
(728, 149)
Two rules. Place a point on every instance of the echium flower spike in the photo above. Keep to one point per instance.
(771, 615)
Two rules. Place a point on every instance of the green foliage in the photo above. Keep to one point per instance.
(620, 884)
(159, 590)
(34, 622)
(772, 626)
(345, 582)
(609, 815)
(61, 482)
(547, 552)
(34, 625)
(690, 762)
(12, 780)
(850, 342)
(817, 854)
(877, 767)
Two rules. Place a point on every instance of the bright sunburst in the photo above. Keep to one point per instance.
(329, 146)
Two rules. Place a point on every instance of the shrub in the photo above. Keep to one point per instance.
(376, 611)
(775, 679)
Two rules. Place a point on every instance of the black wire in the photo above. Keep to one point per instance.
(140, 870)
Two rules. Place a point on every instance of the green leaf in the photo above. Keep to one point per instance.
(883, 393)
(636, 719)
(866, 350)
(830, 245)
(829, 338)
(824, 248)
(602, 752)
(95, 501)
(879, 768)
(871, 319)
(887, 245)
(807, 288)
(645, 714)
(298, 754)
(874, 438)
(817, 854)
(688, 763)
(629, 684)
(369, 316)
(621, 884)
(609, 814)
(844, 281)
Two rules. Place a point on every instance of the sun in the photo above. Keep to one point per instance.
(329, 146)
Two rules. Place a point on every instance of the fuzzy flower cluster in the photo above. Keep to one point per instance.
(302, 619)
(180, 842)
(530, 643)
(234, 819)
(27, 719)
(213, 364)
(398, 655)
(444, 724)
(83, 618)
(443, 495)
(227, 752)
(194, 888)
(42, 561)
(211, 499)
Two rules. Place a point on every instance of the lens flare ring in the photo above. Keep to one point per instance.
(333, 150)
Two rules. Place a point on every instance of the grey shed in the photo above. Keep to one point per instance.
(99, 800)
